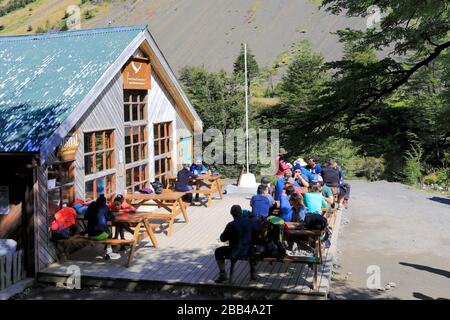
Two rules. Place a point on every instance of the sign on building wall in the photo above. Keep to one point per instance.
(4, 200)
(70, 147)
(136, 74)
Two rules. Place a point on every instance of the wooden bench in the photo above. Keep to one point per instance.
(313, 261)
(142, 230)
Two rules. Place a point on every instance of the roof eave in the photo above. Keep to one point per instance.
(64, 129)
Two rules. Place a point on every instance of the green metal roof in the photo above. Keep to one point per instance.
(44, 77)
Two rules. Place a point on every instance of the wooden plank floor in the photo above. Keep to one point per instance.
(188, 257)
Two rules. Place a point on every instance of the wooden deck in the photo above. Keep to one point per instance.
(187, 258)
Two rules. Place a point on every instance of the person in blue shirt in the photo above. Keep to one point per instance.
(285, 205)
(261, 203)
(313, 167)
(198, 167)
(298, 208)
(300, 164)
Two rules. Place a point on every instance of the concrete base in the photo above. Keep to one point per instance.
(16, 288)
(234, 189)
(248, 180)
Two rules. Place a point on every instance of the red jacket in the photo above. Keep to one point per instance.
(64, 218)
(124, 207)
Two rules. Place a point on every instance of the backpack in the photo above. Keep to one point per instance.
(158, 187)
(274, 240)
(315, 221)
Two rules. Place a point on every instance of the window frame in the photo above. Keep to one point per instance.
(163, 157)
(138, 98)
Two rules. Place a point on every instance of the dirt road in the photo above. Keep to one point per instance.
(402, 231)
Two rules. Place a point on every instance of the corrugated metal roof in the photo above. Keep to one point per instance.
(44, 77)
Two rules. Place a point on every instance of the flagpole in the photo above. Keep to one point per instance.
(246, 109)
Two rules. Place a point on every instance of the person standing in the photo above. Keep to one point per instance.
(281, 164)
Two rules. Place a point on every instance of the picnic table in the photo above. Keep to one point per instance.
(142, 230)
(212, 185)
(171, 202)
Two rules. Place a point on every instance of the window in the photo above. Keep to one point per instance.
(61, 189)
(136, 140)
(136, 144)
(103, 185)
(99, 160)
(135, 105)
(98, 151)
(163, 149)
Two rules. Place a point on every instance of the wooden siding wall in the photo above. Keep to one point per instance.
(161, 109)
(45, 248)
(105, 113)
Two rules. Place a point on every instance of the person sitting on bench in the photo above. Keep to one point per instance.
(240, 234)
(184, 177)
(262, 203)
(119, 205)
(198, 168)
(314, 201)
(98, 215)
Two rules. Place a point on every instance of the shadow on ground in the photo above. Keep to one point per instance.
(441, 200)
(440, 272)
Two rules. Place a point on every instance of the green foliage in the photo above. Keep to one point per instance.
(13, 5)
(440, 177)
(218, 97)
(412, 170)
(88, 14)
(341, 150)
(371, 168)
(252, 65)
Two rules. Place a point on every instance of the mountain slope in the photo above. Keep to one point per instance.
(209, 32)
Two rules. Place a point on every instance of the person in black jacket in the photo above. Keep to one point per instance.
(240, 234)
(98, 214)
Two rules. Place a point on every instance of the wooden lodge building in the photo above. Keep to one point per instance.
(83, 113)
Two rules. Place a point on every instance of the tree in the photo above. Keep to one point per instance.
(252, 65)
(217, 97)
(411, 35)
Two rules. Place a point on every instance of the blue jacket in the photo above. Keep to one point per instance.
(286, 208)
(260, 205)
(198, 169)
(317, 169)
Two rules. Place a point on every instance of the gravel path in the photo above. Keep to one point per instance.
(404, 232)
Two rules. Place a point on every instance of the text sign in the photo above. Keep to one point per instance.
(70, 147)
(136, 74)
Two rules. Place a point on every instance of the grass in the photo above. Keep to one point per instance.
(38, 13)
(431, 191)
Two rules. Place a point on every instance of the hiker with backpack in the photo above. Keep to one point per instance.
(240, 234)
